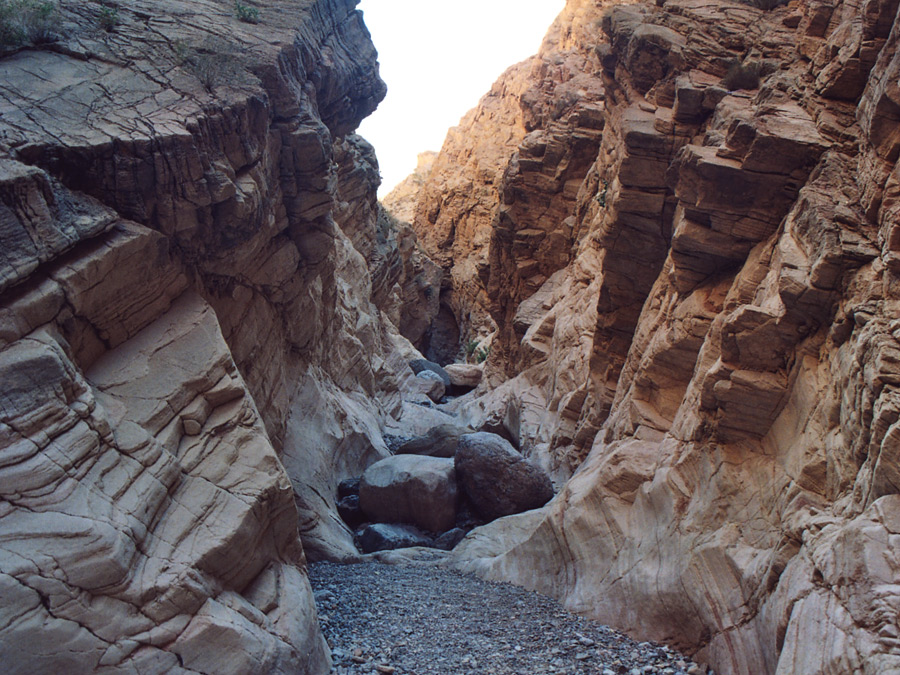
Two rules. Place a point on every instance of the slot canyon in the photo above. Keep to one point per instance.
(630, 340)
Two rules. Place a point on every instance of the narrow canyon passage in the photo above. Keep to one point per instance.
(420, 618)
(667, 247)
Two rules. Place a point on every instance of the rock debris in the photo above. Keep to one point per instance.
(425, 620)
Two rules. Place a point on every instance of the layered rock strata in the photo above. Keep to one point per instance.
(709, 362)
(193, 332)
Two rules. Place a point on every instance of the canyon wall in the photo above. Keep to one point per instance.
(697, 327)
(199, 310)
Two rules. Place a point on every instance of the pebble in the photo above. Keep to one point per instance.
(428, 620)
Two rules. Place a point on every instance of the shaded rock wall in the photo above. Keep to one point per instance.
(191, 332)
(709, 365)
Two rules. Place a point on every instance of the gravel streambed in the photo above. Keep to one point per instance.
(423, 620)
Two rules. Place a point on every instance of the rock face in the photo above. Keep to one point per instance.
(404, 197)
(194, 300)
(411, 489)
(695, 294)
(497, 479)
(529, 142)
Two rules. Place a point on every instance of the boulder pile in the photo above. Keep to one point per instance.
(437, 488)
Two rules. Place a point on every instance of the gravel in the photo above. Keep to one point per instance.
(422, 620)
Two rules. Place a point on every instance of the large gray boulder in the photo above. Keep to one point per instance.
(497, 479)
(419, 365)
(440, 441)
(411, 489)
(431, 384)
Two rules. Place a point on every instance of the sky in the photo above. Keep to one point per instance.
(438, 58)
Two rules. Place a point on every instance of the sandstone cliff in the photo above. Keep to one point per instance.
(692, 268)
(193, 331)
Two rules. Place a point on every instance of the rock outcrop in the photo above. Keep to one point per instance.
(692, 273)
(195, 340)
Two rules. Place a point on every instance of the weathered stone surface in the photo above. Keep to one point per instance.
(497, 479)
(411, 489)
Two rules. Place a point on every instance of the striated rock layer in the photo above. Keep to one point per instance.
(699, 323)
(194, 284)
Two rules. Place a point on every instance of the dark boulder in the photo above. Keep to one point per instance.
(497, 479)
(449, 539)
(347, 487)
(387, 536)
(418, 365)
(350, 512)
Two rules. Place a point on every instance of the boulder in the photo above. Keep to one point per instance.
(440, 441)
(431, 384)
(348, 487)
(411, 489)
(497, 479)
(466, 375)
(450, 538)
(420, 365)
(350, 512)
(388, 536)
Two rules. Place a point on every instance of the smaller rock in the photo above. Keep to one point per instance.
(431, 385)
(350, 511)
(419, 365)
(440, 441)
(467, 375)
(191, 427)
(387, 537)
(347, 487)
(450, 539)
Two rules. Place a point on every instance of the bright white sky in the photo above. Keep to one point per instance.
(438, 58)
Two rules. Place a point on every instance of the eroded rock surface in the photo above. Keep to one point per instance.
(195, 337)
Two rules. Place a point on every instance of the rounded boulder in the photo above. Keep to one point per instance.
(411, 489)
(431, 384)
(497, 479)
(420, 365)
